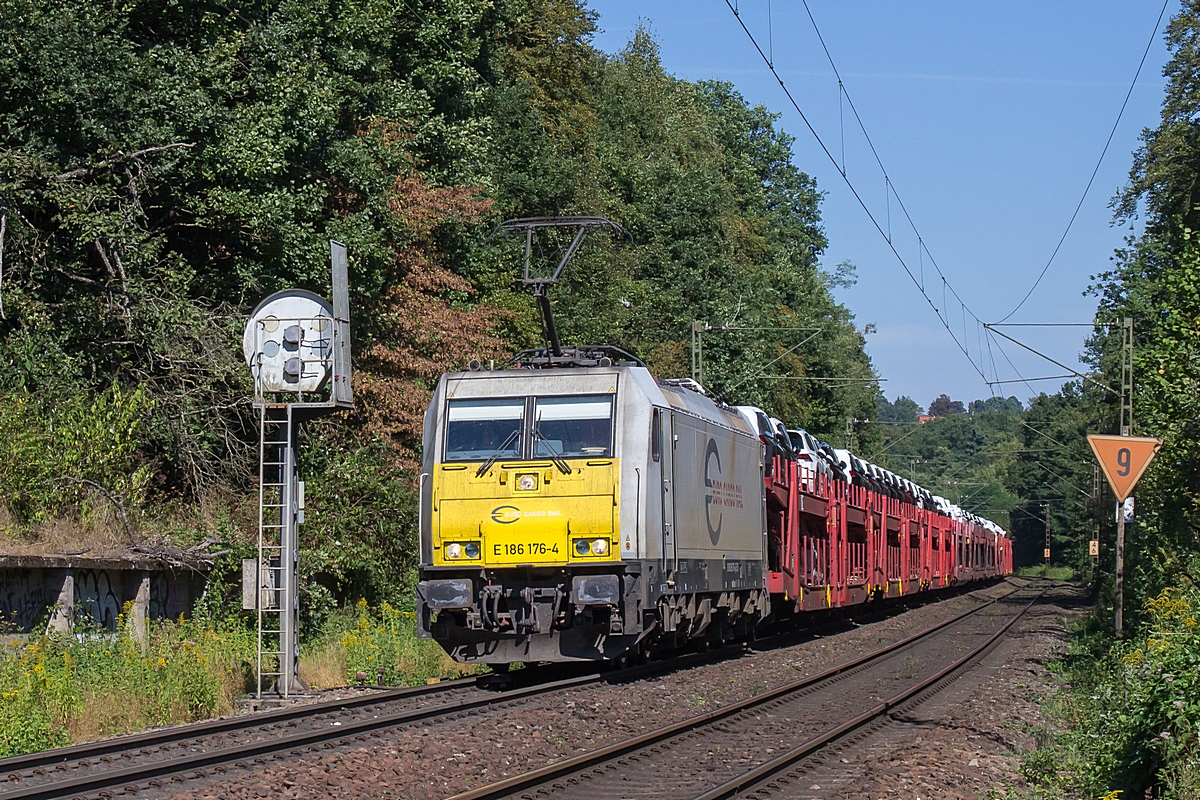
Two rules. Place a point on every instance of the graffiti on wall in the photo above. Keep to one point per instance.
(25, 598)
(29, 595)
(98, 597)
(160, 595)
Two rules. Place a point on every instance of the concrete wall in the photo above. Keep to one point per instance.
(34, 598)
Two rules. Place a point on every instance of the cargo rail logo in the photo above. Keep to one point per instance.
(718, 492)
(505, 515)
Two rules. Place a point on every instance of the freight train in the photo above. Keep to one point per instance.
(574, 507)
(588, 510)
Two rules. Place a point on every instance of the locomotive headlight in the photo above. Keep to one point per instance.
(462, 550)
(591, 547)
(527, 483)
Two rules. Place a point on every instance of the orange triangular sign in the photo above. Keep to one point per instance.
(1123, 459)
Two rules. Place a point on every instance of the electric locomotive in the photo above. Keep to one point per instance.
(566, 511)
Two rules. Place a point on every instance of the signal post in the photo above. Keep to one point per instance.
(1123, 459)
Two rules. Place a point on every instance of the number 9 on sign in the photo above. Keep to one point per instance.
(1124, 461)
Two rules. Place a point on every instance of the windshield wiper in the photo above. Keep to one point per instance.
(558, 460)
(496, 456)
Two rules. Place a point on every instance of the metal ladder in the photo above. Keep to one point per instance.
(275, 465)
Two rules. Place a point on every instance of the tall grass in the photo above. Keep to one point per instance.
(61, 689)
(369, 639)
(58, 689)
(1043, 571)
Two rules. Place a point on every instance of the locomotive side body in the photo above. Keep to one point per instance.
(578, 514)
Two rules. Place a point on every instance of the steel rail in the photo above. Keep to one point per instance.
(176, 733)
(518, 783)
(770, 769)
(161, 736)
(346, 731)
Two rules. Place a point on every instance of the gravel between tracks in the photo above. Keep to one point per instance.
(449, 756)
(966, 742)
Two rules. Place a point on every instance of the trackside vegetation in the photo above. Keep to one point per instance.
(59, 689)
(67, 688)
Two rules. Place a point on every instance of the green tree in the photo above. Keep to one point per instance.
(1155, 280)
(944, 406)
(904, 410)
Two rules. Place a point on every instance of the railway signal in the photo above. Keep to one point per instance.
(297, 346)
(1123, 459)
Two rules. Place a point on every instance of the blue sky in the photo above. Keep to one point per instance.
(989, 118)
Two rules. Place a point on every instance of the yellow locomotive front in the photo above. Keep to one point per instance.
(520, 523)
(507, 493)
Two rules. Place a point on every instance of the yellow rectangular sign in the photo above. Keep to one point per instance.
(517, 550)
(1094, 547)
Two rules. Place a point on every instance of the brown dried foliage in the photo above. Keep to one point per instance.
(420, 331)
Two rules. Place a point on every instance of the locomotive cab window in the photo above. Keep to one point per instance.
(573, 426)
(479, 429)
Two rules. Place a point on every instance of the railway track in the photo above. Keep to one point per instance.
(171, 756)
(151, 759)
(749, 747)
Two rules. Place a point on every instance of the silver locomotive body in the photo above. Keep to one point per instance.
(580, 514)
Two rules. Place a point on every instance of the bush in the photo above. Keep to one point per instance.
(53, 452)
(59, 688)
(1133, 708)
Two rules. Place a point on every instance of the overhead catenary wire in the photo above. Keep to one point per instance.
(854, 190)
(1011, 364)
(891, 185)
(1077, 373)
(1045, 436)
(943, 312)
(1027, 381)
(1099, 161)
